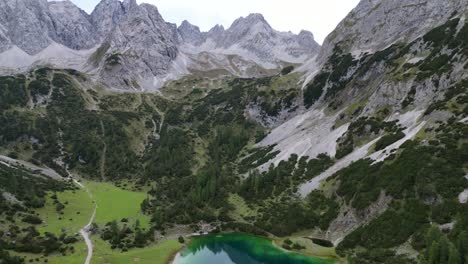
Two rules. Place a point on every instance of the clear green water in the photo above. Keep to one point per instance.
(239, 249)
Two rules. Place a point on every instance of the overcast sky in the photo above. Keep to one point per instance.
(318, 16)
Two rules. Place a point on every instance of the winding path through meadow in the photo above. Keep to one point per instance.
(86, 230)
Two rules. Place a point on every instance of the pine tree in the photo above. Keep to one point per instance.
(434, 255)
(433, 234)
(114, 229)
(443, 250)
(462, 245)
(140, 238)
(454, 256)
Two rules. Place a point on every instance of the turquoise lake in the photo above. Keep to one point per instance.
(239, 249)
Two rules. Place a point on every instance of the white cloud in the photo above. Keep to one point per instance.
(318, 16)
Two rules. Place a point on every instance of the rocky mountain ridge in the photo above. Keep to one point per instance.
(126, 45)
(254, 37)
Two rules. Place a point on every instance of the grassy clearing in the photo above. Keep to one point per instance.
(286, 82)
(311, 249)
(76, 258)
(158, 254)
(241, 209)
(161, 253)
(115, 203)
(78, 209)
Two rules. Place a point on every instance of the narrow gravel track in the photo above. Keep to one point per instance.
(85, 232)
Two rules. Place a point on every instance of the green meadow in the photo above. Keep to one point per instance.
(161, 253)
(113, 203)
(78, 209)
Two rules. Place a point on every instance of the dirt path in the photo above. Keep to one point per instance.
(85, 232)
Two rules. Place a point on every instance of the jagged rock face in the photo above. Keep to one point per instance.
(190, 33)
(109, 13)
(247, 29)
(26, 24)
(216, 33)
(73, 27)
(145, 42)
(5, 42)
(143, 29)
(34, 25)
(375, 24)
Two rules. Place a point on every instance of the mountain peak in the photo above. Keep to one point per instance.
(217, 28)
(306, 34)
(113, 5)
(256, 16)
(250, 20)
(129, 4)
(190, 33)
(72, 25)
(64, 7)
(187, 25)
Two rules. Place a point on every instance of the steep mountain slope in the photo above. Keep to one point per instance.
(377, 98)
(393, 78)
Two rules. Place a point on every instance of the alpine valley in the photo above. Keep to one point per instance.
(128, 139)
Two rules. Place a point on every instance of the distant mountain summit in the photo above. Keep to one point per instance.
(126, 45)
(253, 38)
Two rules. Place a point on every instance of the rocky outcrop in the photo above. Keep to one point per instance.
(142, 46)
(26, 24)
(109, 13)
(191, 34)
(72, 26)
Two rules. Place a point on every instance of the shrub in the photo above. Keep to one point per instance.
(181, 240)
(287, 70)
(387, 140)
(32, 219)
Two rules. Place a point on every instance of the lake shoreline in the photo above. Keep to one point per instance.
(217, 245)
